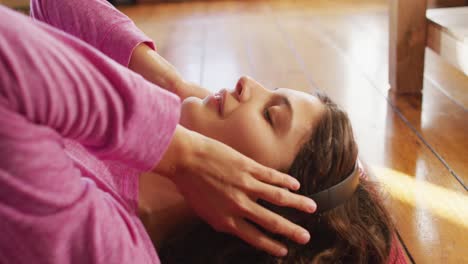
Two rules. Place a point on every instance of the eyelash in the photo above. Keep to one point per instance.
(267, 116)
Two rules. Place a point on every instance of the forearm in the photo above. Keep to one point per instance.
(183, 145)
(159, 71)
(154, 68)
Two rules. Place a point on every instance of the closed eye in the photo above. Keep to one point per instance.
(267, 116)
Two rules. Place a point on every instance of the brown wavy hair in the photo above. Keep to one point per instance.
(358, 231)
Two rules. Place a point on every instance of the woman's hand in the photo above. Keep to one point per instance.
(187, 89)
(154, 68)
(222, 187)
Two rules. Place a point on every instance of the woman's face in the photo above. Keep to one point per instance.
(267, 126)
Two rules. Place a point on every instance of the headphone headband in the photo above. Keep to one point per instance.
(337, 194)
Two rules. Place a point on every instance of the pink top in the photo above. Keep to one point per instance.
(62, 201)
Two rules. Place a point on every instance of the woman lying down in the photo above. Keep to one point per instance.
(307, 136)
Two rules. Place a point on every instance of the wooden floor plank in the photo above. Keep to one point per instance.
(275, 66)
(225, 53)
(178, 31)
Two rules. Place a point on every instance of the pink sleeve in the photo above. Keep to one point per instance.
(96, 22)
(52, 87)
(54, 80)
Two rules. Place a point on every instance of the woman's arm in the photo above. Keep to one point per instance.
(57, 81)
(104, 27)
(53, 86)
(157, 70)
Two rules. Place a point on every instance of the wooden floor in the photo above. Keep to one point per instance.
(418, 147)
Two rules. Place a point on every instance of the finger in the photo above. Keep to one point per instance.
(254, 237)
(277, 178)
(277, 224)
(282, 197)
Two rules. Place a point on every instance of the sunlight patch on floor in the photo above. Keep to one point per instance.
(422, 195)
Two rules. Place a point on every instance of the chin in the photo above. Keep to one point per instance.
(190, 111)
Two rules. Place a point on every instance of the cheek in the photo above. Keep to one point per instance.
(194, 115)
(252, 137)
(188, 114)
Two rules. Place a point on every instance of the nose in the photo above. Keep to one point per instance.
(241, 90)
(246, 87)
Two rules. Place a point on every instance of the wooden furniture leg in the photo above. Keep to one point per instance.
(407, 44)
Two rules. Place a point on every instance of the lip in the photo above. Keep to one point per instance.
(217, 100)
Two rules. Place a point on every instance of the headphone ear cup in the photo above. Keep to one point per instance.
(338, 193)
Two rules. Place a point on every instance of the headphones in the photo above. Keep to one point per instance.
(339, 193)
